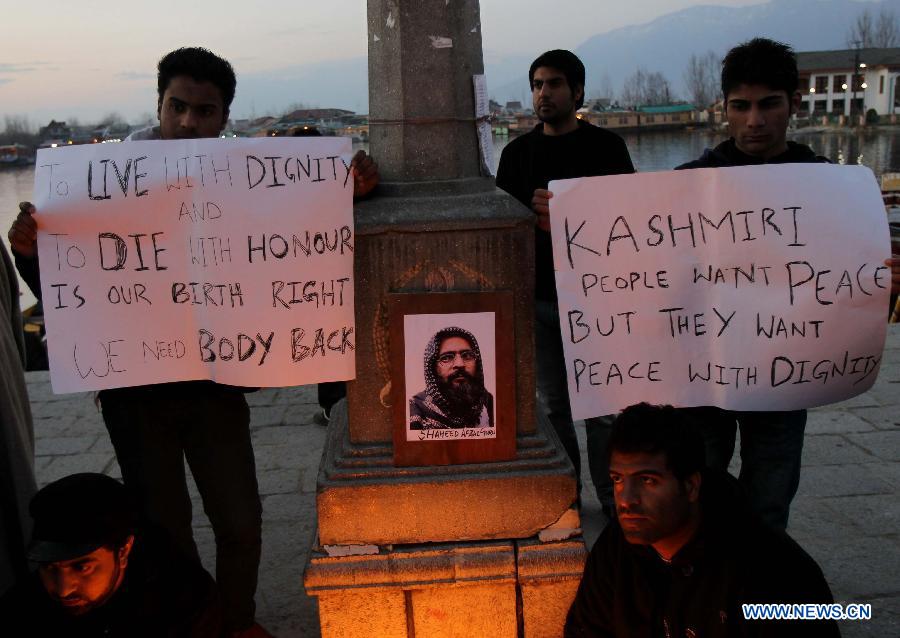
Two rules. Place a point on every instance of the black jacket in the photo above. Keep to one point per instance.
(728, 154)
(627, 591)
(533, 160)
(163, 595)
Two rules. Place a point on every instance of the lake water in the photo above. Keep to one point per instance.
(879, 149)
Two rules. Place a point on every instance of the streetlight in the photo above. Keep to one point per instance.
(858, 69)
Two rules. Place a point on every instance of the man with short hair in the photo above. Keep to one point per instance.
(759, 85)
(454, 394)
(99, 574)
(686, 552)
(155, 428)
(562, 146)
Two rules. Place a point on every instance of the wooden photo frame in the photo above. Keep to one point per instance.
(453, 377)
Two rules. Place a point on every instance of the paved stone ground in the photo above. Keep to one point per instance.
(846, 514)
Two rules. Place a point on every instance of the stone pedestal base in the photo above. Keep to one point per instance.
(362, 499)
(450, 590)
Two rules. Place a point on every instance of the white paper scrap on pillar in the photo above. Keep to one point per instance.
(752, 288)
(221, 259)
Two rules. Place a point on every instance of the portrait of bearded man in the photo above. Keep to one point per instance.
(454, 395)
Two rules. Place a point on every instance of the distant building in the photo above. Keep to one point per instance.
(301, 115)
(514, 107)
(257, 127)
(714, 115)
(871, 78)
(522, 123)
(597, 103)
(54, 134)
(643, 117)
(55, 131)
(667, 116)
(619, 119)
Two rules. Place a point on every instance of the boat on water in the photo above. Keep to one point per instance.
(15, 155)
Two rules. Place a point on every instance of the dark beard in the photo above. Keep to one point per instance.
(557, 117)
(464, 398)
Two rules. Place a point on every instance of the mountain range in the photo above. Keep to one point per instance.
(664, 45)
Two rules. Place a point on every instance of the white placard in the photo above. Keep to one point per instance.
(751, 288)
(482, 103)
(221, 259)
(486, 142)
(482, 112)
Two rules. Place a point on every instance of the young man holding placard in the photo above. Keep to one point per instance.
(759, 84)
(560, 147)
(154, 428)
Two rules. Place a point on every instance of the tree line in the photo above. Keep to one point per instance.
(701, 75)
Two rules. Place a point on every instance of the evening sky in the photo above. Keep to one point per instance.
(63, 59)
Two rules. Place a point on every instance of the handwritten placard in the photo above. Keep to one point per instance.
(751, 288)
(221, 259)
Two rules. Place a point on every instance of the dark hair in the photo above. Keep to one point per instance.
(564, 61)
(760, 61)
(78, 514)
(201, 65)
(655, 429)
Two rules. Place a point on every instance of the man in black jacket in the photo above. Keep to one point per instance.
(759, 84)
(560, 147)
(155, 428)
(99, 574)
(686, 553)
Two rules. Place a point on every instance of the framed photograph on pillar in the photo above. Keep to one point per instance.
(453, 377)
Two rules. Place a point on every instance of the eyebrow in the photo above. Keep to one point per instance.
(769, 98)
(178, 101)
(642, 472)
(81, 562)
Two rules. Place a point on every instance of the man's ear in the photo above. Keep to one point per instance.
(795, 102)
(224, 121)
(125, 549)
(692, 486)
(579, 95)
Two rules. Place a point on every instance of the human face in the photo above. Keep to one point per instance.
(87, 582)
(553, 99)
(191, 109)
(456, 361)
(653, 506)
(758, 119)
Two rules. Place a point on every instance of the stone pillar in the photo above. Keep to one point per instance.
(422, 56)
(409, 551)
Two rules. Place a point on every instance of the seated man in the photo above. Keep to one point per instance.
(98, 575)
(686, 552)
